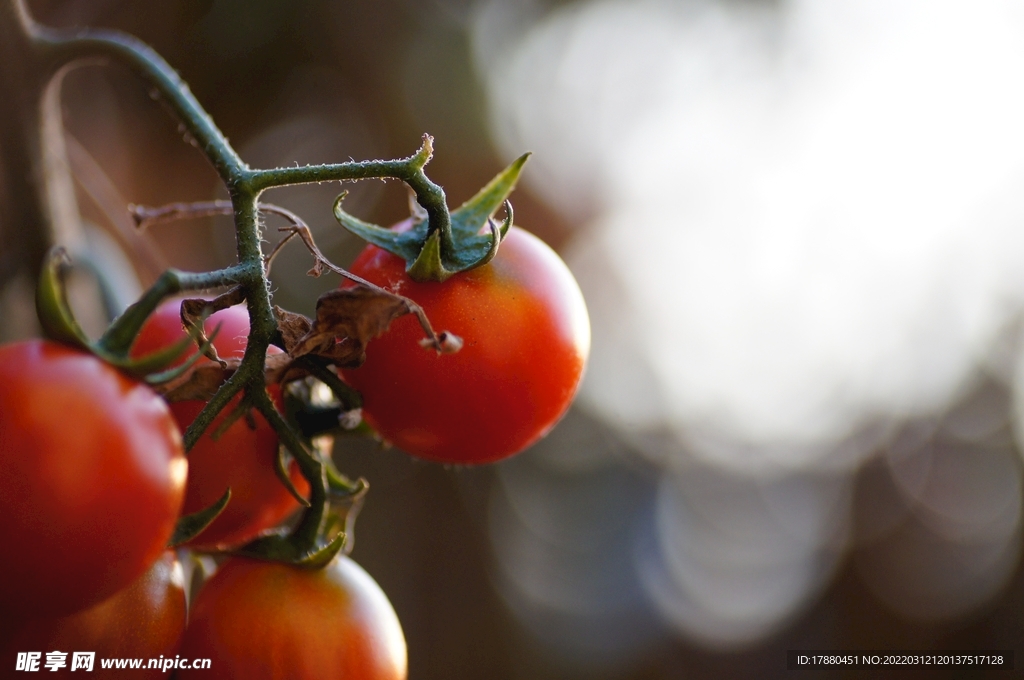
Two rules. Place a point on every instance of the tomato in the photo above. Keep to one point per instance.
(145, 620)
(527, 335)
(242, 457)
(267, 621)
(92, 476)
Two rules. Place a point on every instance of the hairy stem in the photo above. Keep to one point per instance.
(32, 59)
(70, 46)
(410, 170)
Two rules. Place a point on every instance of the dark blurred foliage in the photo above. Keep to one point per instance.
(326, 80)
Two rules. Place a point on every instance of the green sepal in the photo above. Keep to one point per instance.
(281, 469)
(319, 559)
(55, 316)
(429, 264)
(121, 334)
(158, 360)
(340, 486)
(431, 255)
(143, 366)
(405, 244)
(58, 323)
(469, 218)
(272, 546)
(346, 501)
(276, 547)
(191, 525)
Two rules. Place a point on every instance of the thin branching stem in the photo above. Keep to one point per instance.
(410, 170)
(62, 47)
(53, 51)
(145, 216)
(307, 531)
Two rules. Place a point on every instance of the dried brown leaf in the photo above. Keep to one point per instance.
(199, 382)
(194, 310)
(293, 327)
(347, 319)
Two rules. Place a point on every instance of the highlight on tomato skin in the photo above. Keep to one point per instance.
(93, 477)
(260, 620)
(145, 620)
(526, 331)
(242, 457)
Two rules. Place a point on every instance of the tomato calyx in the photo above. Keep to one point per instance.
(434, 249)
(59, 324)
(191, 525)
(325, 530)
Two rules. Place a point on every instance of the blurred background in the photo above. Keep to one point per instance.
(799, 228)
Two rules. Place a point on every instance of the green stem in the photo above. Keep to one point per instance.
(410, 170)
(49, 53)
(217, 403)
(63, 47)
(119, 337)
(307, 532)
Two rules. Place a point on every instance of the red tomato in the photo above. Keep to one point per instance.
(92, 476)
(527, 335)
(269, 621)
(242, 457)
(145, 620)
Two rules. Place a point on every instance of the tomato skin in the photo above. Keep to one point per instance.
(145, 620)
(242, 457)
(527, 335)
(269, 621)
(92, 474)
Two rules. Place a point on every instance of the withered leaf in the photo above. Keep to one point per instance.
(195, 310)
(293, 327)
(199, 382)
(347, 319)
(202, 380)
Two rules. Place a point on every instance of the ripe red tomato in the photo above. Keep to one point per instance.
(242, 457)
(145, 620)
(92, 477)
(269, 621)
(527, 335)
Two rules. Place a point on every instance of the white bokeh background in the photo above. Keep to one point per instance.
(801, 237)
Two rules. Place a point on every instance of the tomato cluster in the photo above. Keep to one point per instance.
(95, 477)
(242, 456)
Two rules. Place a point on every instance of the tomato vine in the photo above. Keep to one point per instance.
(44, 54)
(434, 246)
